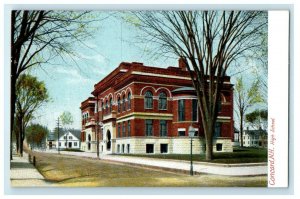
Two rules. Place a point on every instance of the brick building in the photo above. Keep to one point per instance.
(147, 109)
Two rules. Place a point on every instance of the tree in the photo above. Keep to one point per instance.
(244, 99)
(258, 118)
(66, 119)
(36, 134)
(210, 42)
(37, 37)
(31, 94)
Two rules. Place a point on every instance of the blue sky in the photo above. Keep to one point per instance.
(69, 83)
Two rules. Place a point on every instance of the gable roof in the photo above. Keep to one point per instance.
(52, 136)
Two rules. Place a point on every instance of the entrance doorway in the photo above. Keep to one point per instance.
(89, 142)
(70, 144)
(108, 143)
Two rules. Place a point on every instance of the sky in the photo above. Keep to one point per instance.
(70, 83)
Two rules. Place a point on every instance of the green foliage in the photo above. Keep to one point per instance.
(36, 134)
(66, 118)
(257, 117)
(247, 97)
(31, 94)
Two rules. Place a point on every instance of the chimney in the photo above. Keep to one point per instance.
(182, 63)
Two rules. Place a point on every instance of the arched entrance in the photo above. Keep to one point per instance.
(89, 142)
(108, 140)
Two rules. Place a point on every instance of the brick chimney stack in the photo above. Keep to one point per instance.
(182, 63)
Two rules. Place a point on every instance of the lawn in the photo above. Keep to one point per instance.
(239, 155)
(74, 171)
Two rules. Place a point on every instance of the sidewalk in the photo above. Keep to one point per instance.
(247, 169)
(24, 174)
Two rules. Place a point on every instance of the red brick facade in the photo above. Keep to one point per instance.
(135, 79)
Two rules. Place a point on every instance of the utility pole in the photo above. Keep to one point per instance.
(57, 123)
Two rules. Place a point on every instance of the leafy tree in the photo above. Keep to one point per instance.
(38, 36)
(36, 134)
(258, 118)
(210, 42)
(66, 119)
(31, 94)
(244, 99)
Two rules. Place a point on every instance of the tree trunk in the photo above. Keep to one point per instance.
(209, 149)
(241, 132)
(17, 140)
(209, 141)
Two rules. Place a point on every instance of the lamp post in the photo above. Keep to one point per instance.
(191, 135)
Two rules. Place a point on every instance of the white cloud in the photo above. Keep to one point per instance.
(73, 75)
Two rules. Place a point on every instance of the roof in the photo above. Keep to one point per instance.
(255, 132)
(53, 136)
(75, 132)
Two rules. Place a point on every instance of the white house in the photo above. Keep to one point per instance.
(69, 139)
(255, 138)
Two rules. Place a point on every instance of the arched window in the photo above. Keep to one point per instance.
(110, 104)
(119, 104)
(148, 100)
(129, 100)
(124, 104)
(162, 101)
(106, 107)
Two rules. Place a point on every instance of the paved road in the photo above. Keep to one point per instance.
(24, 174)
(250, 169)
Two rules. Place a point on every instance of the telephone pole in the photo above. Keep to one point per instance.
(57, 123)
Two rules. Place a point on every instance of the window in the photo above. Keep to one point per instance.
(149, 148)
(106, 107)
(219, 147)
(194, 109)
(149, 126)
(119, 105)
(181, 133)
(128, 128)
(59, 144)
(123, 148)
(124, 104)
(102, 105)
(124, 130)
(162, 101)
(163, 128)
(217, 130)
(75, 143)
(148, 100)
(181, 109)
(129, 101)
(110, 105)
(118, 148)
(65, 137)
(128, 148)
(70, 137)
(163, 148)
(119, 130)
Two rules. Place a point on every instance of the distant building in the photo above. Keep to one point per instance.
(236, 139)
(147, 109)
(69, 139)
(255, 138)
(51, 141)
